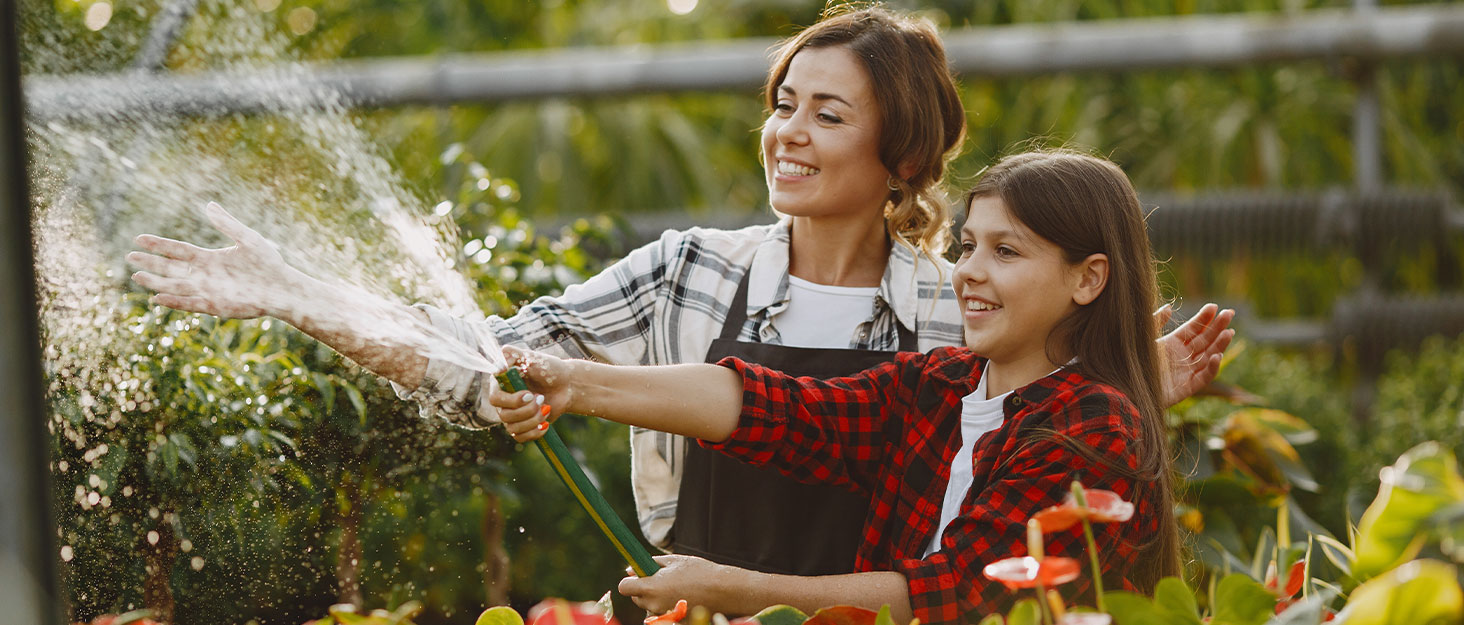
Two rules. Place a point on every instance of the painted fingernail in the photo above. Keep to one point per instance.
(544, 411)
(539, 399)
(543, 425)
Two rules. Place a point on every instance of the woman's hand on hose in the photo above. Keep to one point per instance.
(246, 280)
(527, 414)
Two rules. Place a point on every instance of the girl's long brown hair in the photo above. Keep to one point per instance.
(1086, 205)
(923, 122)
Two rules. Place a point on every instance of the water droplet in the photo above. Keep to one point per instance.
(152, 537)
(186, 545)
(66, 553)
(521, 529)
(196, 563)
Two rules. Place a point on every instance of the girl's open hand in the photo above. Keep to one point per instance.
(527, 414)
(246, 280)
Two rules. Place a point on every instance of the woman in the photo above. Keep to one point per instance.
(956, 451)
(864, 116)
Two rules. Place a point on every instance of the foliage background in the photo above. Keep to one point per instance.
(341, 441)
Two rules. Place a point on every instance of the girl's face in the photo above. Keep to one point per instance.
(821, 144)
(1014, 286)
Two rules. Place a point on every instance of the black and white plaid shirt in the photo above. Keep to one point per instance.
(664, 303)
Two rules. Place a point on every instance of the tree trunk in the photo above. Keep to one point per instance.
(495, 558)
(348, 555)
(159, 551)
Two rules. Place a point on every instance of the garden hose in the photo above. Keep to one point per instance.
(589, 497)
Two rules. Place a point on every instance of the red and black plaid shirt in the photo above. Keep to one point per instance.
(892, 432)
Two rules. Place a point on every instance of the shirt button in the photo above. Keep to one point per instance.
(1016, 400)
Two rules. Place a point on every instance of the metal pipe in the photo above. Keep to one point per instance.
(28, 589)
(995, 52)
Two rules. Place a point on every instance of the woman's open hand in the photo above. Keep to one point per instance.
(1192, 352)
(527, 414)
(246, 280)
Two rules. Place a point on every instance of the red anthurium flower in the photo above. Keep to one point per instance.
(1104, 506)
(843, 615)
(674, 616)
(561, 612)
(1027, 572)
(1293, 580)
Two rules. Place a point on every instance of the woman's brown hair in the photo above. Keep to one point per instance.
(923, 123)
(1086, 205)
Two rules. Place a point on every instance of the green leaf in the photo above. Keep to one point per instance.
(1424, 481)
(1240, 600)
(357, 401)
(323, 383)
(186, 452)
(1128, 608)
(780, 615)
(1176, 601)
(1421, 591)
(110, 465)
(499, 615)
(1025, 612)
(1296, 431)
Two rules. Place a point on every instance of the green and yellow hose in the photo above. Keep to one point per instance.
(589, 497)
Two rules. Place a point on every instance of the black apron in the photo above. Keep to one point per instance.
(753, 517)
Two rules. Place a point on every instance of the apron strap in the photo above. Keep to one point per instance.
(737, 310)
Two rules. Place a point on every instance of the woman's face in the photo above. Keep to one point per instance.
(821, 143)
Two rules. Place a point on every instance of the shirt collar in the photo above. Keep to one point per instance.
(899, 288)
(768, 276)
(961, 368)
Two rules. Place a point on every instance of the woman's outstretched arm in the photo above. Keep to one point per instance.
(736, 591)
(698, 400)
(251, 279)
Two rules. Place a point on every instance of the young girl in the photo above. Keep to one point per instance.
(957, 450)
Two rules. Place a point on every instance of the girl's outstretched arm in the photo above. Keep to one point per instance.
(698, 400)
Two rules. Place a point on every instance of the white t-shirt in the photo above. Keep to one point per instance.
(979, 415)
(819, 315)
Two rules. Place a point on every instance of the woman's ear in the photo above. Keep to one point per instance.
(1092, 276)
(906, 170)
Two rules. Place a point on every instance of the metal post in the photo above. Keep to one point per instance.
(27, 547)
(1367, 118)
(1367, 173)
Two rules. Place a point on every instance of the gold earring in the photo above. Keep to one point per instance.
(894, 186)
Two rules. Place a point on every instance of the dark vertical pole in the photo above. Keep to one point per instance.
(27, 546)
